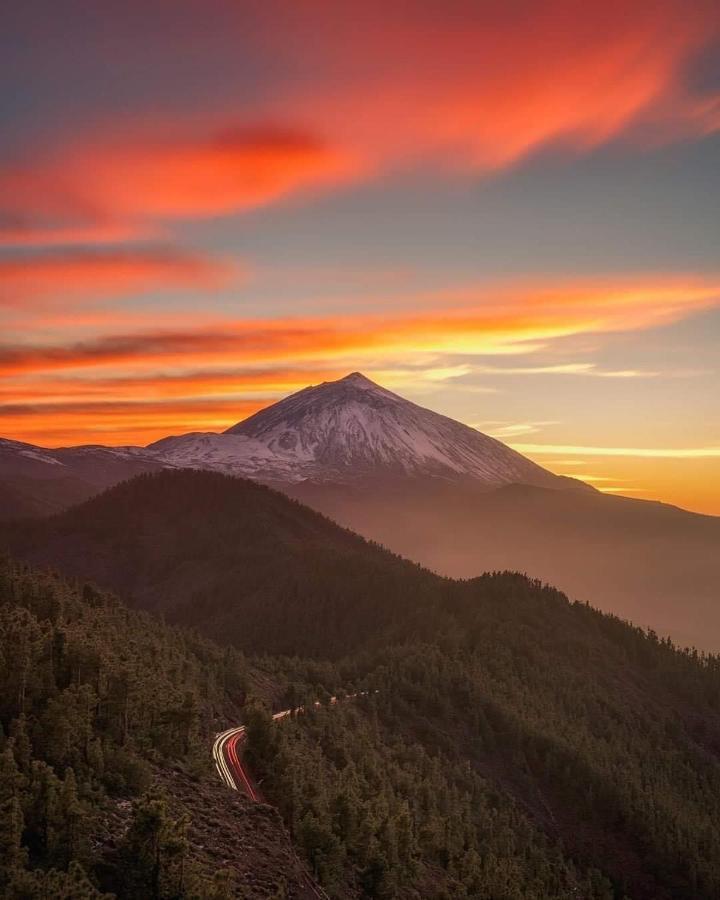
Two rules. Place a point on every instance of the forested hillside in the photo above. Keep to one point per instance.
(106, 717)
(540, 750)
(511, 744)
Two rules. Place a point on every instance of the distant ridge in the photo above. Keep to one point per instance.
(36, 481)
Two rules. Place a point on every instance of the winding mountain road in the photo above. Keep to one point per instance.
(227, 754)
(228, 763)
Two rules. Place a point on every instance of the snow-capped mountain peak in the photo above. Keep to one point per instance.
(344, 430)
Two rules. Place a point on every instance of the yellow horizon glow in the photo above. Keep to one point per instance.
(642, 452)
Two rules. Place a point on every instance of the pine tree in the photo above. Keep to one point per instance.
(71, 826)
(13, 855)
(21, 743)
(142, 847)
(261, 735)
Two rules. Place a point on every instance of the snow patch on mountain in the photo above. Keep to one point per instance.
(344, 430)
(92, 462)
(14, 449)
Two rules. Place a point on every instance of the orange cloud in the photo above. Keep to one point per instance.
(107, 188)
(201, 374)
(488, 321)
(378, 87)
(72, 409)
(481, 85)
(211, 383)
(37, 280)
(113, 422)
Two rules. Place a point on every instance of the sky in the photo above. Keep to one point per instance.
(505, 211)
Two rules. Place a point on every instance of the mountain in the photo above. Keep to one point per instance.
(36, 481)
(349, 430)
(508, 743)
(241, 562)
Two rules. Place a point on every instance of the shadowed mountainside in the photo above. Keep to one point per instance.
(654, 564)
(241, 562)
(106, 783)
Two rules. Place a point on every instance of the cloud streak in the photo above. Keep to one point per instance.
(107, 187)
(504, 430)
(125, 422)
(640, 452)
(492, 320)
(587, 369)
(362, 89)
(205, 363)
(38, 280)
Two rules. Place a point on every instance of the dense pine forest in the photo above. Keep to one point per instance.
(509, 744)
(106, 787)
(543, 750)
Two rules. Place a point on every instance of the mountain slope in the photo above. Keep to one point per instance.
(654, 564)
(36, 481)
(344, 430)
(461, 503)
(105, 775)
(240, 561)
(534, 716)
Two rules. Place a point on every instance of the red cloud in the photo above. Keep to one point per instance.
(39, 280)
(184, 177)
(469, 84)
(480, 85)
(108, 187)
